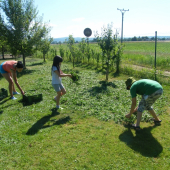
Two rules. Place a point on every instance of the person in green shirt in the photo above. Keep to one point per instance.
(150, 91)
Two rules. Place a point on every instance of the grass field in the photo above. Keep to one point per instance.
(143, 53)
(90, 132)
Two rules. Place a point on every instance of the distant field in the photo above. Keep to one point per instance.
(143, 53)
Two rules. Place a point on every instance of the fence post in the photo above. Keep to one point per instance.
(155, 51)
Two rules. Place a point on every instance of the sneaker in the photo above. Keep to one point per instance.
(13, 98)
(15, 92)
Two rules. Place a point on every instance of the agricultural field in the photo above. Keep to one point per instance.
(143, 53)
(140, 53)
(90, 132)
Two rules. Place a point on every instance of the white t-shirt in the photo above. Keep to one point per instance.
(55, 78)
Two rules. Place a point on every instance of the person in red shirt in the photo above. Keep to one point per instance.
(8, 70)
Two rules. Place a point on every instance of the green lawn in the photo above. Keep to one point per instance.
(90, 132)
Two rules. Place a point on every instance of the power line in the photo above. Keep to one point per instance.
(122, 11)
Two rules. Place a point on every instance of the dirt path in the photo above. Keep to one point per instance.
(137, 67)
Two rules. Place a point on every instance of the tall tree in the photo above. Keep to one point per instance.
(3, 46)
(21, 26)
(3, 42)
(109, 46)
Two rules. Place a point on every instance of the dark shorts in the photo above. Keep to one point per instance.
(2, 71)
(146, 104)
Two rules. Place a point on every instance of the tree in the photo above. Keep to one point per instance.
(3, 42)
(82, 46)
(21, 27)
(71, 45)
(44, 46)
(3, 46)
(108, 44)
(134, 38)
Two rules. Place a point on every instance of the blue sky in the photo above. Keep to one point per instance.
(71, 17)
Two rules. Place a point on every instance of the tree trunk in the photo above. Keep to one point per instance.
(3, 52)
(44, 57)
(73, 62)
(107, 71)
(24, 60)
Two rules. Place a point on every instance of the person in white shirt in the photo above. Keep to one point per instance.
(56, 79)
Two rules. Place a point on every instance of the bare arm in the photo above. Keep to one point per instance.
(61, 74)
(14, 74)
(133, 105)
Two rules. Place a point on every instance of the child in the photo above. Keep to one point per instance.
(56, 79)
(8, 70)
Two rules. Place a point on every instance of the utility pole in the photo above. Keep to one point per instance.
(122, 11)
(155, 51)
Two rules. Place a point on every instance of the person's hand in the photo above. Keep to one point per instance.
(70, 75)
(128, 115)
(135, 110)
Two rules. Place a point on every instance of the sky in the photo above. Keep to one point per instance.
(71, 17)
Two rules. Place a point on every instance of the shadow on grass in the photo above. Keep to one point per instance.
(1, 111)
(24, 72)
(102, 89)
(4, 100)
(86, 66)
(115, 74)
(40, 124)
(36, 64)
(28, 104)
(143, 142)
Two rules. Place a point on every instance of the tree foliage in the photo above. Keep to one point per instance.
(109, 45)
(44, 46)
(21, 26)
(71, 45)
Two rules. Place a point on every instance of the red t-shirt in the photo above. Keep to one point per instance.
(8, 65)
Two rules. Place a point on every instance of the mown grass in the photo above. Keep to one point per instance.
(91, 131)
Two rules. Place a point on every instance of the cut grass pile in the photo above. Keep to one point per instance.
(91, 131)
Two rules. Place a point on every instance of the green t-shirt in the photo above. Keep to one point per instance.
(144, 86)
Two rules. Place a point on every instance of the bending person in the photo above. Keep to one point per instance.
(8, 70)
(150, 90)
